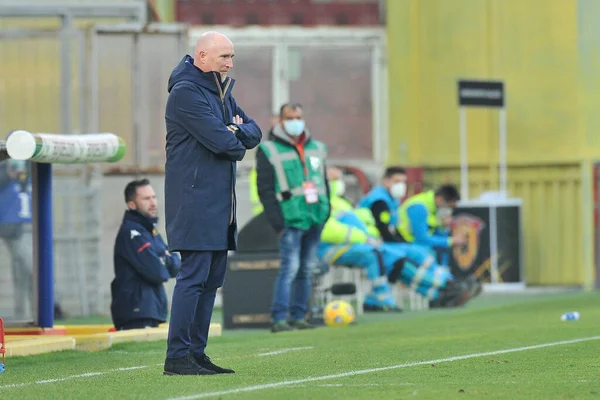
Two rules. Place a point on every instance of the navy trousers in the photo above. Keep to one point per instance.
(201, 274)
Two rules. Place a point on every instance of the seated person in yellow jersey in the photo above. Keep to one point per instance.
(339, 202)
(424, 220)
(346, 240)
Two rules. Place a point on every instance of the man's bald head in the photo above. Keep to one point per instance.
(214, 52)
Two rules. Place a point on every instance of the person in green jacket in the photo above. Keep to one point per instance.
(292, 187)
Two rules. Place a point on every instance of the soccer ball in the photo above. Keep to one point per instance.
(338, 313)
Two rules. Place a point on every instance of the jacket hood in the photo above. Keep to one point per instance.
(278, 133)
(186, 71)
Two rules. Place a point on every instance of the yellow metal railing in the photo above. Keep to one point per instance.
(552, 212)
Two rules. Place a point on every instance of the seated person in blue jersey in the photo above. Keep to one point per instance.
(417, 269)
(384, 200)
(142, 263)
(16, 232)
(424, 219)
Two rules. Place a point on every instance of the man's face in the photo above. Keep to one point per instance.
(145, 202)
(291, 113)
(390, 181)
(396, 185)
(444, 211)
(218, 57)
(292, 122)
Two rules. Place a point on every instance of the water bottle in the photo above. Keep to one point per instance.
(570, 316)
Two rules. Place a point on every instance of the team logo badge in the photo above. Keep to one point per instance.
(470, 227)
(315, 163)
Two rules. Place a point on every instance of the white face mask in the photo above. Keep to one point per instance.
(443, 212)
(294, 127)
(340, 187)
(398, 190)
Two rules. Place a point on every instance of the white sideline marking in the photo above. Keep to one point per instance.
(86, 375)
(132, 368)
(282, 351)
(66, 378)
(90, 374)
(371, 370)
(354, 385)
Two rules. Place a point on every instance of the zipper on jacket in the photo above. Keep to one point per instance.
(222, 96)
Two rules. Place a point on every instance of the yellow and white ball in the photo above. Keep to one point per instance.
(338, 313)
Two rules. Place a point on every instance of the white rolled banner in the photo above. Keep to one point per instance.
(65, 149)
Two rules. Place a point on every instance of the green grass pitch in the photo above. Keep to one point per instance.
(488, 349)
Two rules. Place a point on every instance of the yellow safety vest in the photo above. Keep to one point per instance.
(428, 200)
(257, 206)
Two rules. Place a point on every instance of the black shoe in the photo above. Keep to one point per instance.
(185, 365)
(281, 327)
(455, 294)
(204, 362)
(301, 324)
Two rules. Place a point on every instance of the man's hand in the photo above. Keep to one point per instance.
(447, 221)
(459, 240)
(237, 120)
(165, 257)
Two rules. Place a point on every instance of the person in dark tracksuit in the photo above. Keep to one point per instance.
(207, 133)
(142, 263)
(16, 231)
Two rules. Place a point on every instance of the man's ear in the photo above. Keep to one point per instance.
(131, 205)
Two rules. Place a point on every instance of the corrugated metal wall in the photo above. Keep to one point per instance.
(552, 228)
(546, 51)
